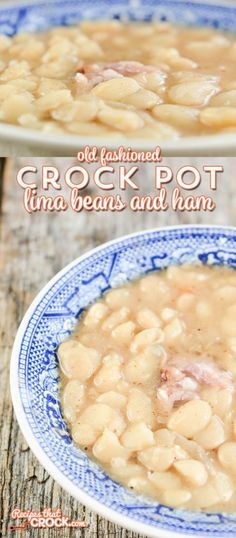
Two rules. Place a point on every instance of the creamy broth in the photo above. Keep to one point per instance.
(148, 386)
(151, 80)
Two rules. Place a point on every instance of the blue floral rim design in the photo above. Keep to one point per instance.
(39, 16)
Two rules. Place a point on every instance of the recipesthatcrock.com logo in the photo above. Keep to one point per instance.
(47, 519)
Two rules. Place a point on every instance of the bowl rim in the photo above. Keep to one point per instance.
(197, 145)
(66, 484)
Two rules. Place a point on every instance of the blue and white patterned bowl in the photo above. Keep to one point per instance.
(41, 15)
(34, 372)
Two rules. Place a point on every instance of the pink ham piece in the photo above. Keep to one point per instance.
(128, 68)
(182, 379)
(89, 75)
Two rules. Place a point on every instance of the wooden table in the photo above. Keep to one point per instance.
(33, 248)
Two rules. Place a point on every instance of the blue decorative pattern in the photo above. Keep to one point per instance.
(42, 15)
(53, 319)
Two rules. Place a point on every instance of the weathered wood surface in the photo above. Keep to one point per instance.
(32, 249)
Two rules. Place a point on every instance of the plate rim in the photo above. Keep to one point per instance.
(198, 145)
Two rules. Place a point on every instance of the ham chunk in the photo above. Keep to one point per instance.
(89, 75)
(182, 378)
